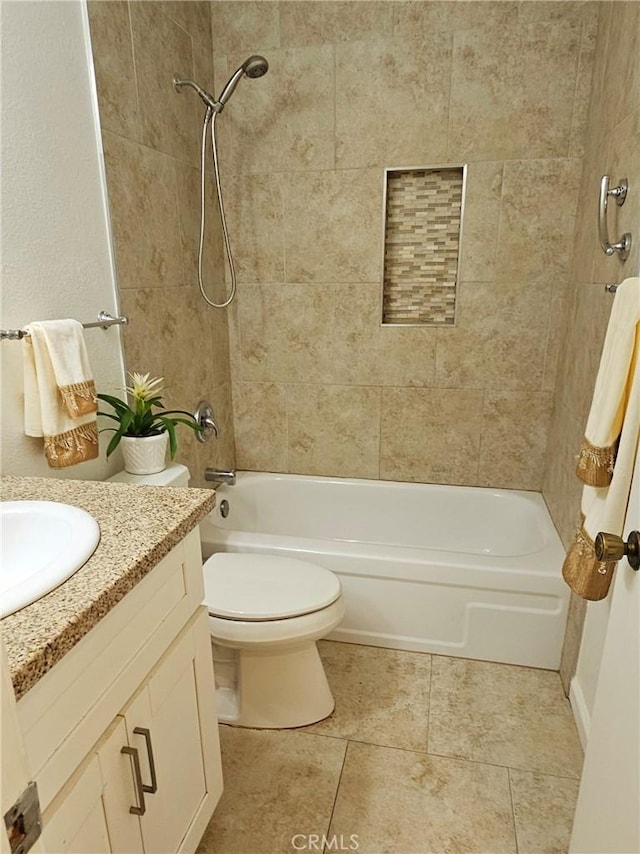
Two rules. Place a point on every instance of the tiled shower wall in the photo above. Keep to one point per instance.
(318, 385)
(612, 146)
(151, 138)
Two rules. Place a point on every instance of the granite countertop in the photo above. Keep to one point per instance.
(139, 525)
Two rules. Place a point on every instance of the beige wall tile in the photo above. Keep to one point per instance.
(254, 208)
(395, 800)
(303, 771)
(514, 439)
(480, 223)
(622, 66)
(574, 11)
(144, 214)
(572, 640)
(213, 262)
(333, 226)
(418, 17)
(185, 338)
(560, 305)
(366, 353)
(500, 338)
(333, 430)
(561, 487)
(287, 117)
(194, 16)
(285, 333)
(430, 435)
(543, 808)
(244, 25)
(304, 23)
(143, 353)
(260, 414)
(114, 69)
(382, 695)
(533, 217)
(584, 80)
(514, 716)
(379, 85)
(508, 91)
(162, 49)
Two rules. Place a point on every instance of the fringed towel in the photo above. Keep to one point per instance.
(607, 454)
(60, 400)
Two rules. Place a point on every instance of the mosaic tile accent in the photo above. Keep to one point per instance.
(422, 233)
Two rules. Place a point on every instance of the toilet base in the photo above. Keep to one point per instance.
(278, 689)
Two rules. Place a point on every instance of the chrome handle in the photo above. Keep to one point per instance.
(623, 246)
(133, 753)
(146, 733)
(610, 547)
(204, 417)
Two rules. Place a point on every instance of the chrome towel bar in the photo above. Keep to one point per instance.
(623, 246)
(104, 321)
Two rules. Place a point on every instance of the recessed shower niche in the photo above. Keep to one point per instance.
(423, 211)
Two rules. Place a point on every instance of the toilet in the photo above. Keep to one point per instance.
(266, 613)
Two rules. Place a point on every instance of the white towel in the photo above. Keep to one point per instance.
(60, 400)
(607, 455)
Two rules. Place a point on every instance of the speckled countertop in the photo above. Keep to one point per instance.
(139, 525)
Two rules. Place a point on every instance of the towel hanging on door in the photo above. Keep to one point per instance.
(608, 451)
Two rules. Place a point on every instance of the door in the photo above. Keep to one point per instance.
(608, 811)
(163, 725)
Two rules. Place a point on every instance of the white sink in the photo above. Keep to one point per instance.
(43, 543)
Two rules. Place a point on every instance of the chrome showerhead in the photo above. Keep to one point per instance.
(255, 66)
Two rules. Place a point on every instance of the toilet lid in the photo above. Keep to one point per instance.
(266, 587)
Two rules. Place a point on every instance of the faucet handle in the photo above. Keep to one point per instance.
(204, 417)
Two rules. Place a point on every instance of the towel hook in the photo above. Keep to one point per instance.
(619, 193)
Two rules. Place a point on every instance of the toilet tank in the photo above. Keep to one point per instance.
(175, 474)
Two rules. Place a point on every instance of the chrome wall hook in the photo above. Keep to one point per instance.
(619, 193)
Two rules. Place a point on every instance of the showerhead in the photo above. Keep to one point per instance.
(253, 67)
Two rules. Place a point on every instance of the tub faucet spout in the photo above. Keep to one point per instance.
(218, 476)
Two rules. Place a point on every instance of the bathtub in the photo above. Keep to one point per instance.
(452, 570)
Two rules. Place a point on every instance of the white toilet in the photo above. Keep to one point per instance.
(265, 615)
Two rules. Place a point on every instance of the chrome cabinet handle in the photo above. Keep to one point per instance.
(133, 753)
(623, 246)
(146, 733)
(610, 547)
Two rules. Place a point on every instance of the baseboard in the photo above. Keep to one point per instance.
(580, 711)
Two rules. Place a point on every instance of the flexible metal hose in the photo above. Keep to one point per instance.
(210, 118)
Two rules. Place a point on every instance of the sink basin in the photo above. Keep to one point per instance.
(43, 543)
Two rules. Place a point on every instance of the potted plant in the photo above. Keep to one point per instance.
(144, 427)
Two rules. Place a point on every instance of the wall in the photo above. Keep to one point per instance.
(56, 259)
(318, 385)
(152, 152)
(612, 146)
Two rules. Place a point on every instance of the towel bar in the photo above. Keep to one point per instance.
(104, 321)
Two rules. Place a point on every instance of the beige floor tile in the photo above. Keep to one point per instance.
(276, 784)
(401, 802)
(382, 695)
(514, 716)
(543, 808)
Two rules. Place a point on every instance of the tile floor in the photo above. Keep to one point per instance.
(422, 755)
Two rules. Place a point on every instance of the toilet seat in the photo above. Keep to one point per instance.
(264, 588)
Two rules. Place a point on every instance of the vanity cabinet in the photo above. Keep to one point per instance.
(132, 763)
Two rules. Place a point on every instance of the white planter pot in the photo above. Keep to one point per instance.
(145, 454)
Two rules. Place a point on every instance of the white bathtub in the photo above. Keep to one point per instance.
(452, 570)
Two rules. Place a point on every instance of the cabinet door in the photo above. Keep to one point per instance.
(74, 822)
(119, 791)
(163, 725)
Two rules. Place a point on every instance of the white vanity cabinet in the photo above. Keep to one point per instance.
(123, 731)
